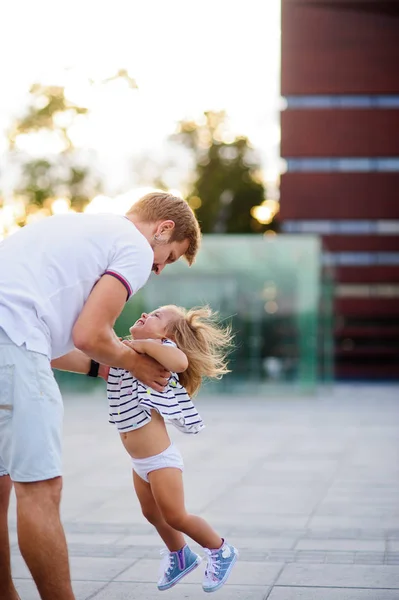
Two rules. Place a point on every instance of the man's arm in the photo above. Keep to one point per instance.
(93, 334)
(170, 357)
(77, 362)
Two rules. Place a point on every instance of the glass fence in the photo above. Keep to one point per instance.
(275, 293)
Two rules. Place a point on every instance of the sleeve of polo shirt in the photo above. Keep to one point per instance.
(132, 266)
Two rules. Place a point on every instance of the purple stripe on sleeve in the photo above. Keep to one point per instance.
(122, 280)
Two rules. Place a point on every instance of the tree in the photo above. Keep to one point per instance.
(61, 171)
(227, 184)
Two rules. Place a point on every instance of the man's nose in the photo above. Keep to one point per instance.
(159, 269)
(144, 316)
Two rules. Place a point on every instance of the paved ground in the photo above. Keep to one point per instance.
(308, 489)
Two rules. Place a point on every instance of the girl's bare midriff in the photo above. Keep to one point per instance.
(149, 440)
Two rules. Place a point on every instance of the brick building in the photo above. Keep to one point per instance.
(340, 140)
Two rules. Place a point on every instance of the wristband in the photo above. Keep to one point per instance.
(94, 367)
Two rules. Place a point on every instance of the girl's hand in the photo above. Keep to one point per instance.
(136, 345)
(141, 346)
(103, 372)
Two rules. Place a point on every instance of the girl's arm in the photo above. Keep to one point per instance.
(170, 357)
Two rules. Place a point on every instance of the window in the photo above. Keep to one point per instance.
(344, 164)
(339, 101)
(350, 227)
(360, 258)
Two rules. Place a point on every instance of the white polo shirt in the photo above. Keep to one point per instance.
(48, 269)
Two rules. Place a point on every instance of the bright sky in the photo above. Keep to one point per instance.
(186, 56)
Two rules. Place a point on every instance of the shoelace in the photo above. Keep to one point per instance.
(213, 564)
(167, 562)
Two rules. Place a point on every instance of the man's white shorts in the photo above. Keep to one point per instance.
(169, 458)
(31, 415)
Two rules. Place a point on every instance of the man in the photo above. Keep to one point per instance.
(63, 283)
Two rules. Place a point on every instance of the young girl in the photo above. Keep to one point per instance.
(192, 344)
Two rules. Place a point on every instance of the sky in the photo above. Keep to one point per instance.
(186, 56)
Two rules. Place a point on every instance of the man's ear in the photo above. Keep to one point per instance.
(165, 227)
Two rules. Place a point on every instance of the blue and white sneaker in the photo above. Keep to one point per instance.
(176, 565)
(218, 569)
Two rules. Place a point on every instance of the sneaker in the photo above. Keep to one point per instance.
(176, 565)
(218, 569)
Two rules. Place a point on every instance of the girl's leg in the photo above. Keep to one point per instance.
(168, 493)
(173, 539)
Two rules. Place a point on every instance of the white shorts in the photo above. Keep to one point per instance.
(31, 415)
(169, 458)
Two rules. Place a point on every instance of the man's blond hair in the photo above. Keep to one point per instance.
(161, 206)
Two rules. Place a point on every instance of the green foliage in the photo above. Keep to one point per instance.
(226, 184)
(57, 173)
(47, 104)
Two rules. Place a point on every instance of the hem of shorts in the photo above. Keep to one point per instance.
(35, 478)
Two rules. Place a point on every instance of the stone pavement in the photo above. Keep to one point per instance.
(306, 488)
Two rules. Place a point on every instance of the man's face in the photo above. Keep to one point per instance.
(166, 253)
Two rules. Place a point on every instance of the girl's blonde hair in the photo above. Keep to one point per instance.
(204, 341)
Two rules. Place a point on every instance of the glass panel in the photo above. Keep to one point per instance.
(269, 288)
(277, 298)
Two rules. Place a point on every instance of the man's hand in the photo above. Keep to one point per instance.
(150, 372)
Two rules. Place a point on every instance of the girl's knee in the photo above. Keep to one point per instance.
(151, 513)
(176, 520)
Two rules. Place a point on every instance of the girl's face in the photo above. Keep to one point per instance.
(153, 325)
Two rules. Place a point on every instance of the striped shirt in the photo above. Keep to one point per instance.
(130, 402)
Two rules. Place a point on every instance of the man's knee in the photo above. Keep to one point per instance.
(39, 493)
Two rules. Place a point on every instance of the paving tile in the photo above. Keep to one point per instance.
(82, 589)
(340, 557)
(182, 591)
(263, 543)
(345, 545)
(93, 538)
(327, 575)
(98, 569)
(244, 573)
(306, 593)
(351, 522)
(255, 520)
(140, 540)
(19, 569)
(393, 546)
(331, 452)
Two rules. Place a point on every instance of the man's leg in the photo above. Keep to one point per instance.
(41, 537)
(31, 451)
(7, 589)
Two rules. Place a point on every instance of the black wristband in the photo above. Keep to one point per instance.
(94, 367)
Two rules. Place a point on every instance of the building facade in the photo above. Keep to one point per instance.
(340, 140)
